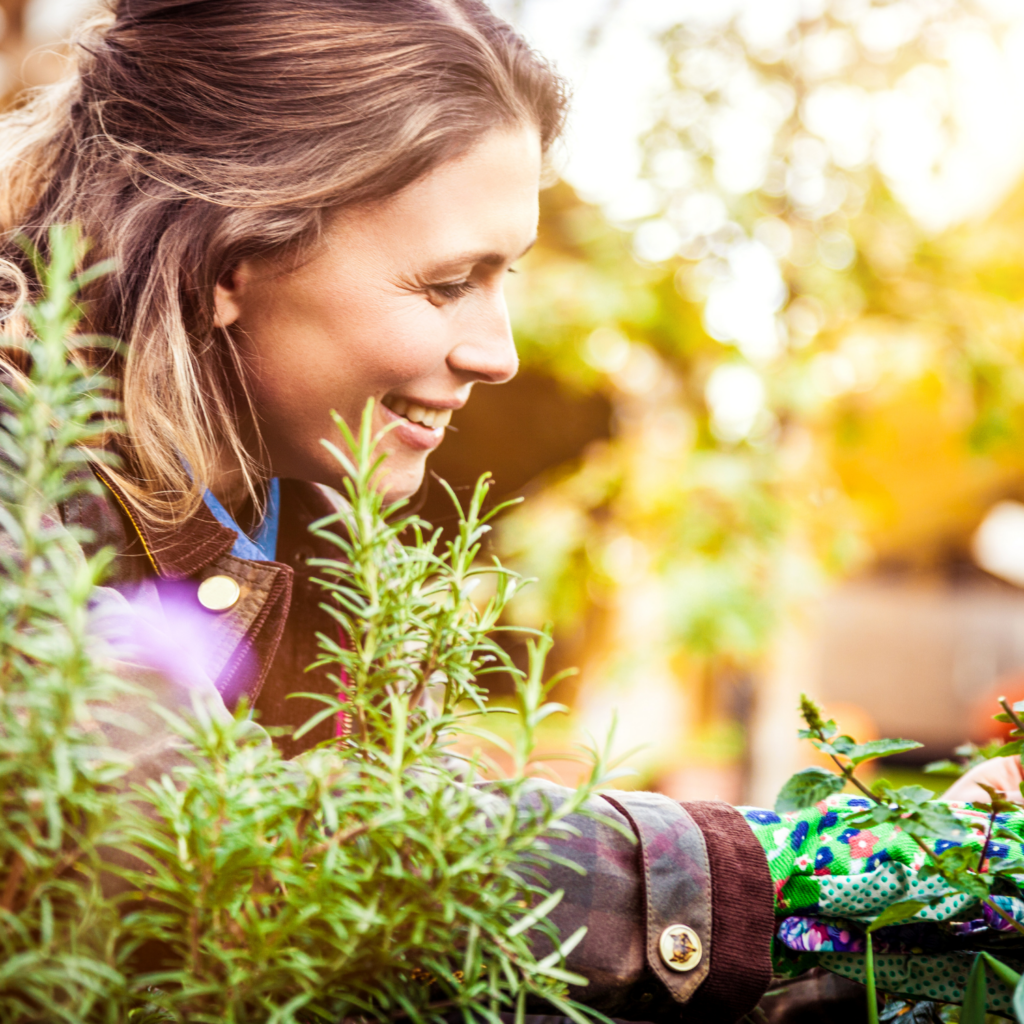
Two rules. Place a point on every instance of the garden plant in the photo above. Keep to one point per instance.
(980, 870)
(376, 877)
(380, 875)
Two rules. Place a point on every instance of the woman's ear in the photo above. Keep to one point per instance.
(228, 295)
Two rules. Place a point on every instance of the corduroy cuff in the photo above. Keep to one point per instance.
(742, 917)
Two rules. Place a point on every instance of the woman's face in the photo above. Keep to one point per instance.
(403, 303)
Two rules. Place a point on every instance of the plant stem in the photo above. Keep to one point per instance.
(988, 837)
(847, 772)
(989, 902)
(869, 968)
(1014, 717)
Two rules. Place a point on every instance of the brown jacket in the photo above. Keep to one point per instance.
(696, 864)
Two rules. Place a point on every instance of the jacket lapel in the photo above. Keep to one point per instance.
(245, 637)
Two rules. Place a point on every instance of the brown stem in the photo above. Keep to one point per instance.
(847, 772)
(417, 693)
(1014, 717)
(13, 883)
(342, 837)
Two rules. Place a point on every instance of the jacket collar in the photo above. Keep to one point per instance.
(180, 550)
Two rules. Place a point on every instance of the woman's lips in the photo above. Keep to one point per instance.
(415, 435)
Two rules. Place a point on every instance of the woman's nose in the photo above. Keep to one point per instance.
(487, 353)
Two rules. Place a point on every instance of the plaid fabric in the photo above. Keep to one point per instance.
(637, 885)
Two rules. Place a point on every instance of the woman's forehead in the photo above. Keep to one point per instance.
(479, 209)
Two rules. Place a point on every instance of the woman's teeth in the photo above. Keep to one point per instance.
(432, 418)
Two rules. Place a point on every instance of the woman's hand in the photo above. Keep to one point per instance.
(1002, 773)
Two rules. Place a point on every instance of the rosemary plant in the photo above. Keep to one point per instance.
(375, 877)
(58, 932)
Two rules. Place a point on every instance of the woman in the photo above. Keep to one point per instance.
(310, 204)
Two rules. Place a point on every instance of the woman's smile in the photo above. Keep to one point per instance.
(419, 426)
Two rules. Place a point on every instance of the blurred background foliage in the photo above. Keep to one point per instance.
(794, 376)
(806, 382)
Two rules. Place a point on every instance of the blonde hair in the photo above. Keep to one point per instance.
(193, 134)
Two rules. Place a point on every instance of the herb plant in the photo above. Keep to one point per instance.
(375, 877)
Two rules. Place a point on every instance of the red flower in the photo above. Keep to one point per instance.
(780, 902)
(863, 844)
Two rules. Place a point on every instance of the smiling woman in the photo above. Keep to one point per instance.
(308, 205)
(206, 145)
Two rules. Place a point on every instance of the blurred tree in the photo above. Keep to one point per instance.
(801, 375)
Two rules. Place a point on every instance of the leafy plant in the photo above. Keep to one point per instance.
(58, 932)
(922, 817)
(375, 877)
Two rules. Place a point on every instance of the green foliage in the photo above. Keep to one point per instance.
(806, 788)
(375, 877)
(57, 931)
(924, 818)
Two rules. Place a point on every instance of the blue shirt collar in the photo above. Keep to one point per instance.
(262, 545)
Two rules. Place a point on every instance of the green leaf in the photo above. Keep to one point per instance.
(1006, 974)
(869, 969)
(973, 1011)
(806, 788)
(542, 909)
(895, 913)
(862, 752)
(916, 795)
(1018, 1001)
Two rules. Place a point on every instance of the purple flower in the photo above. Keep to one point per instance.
(166, 630)
(763, 817)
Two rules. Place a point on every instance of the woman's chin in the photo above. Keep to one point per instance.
(401, 478)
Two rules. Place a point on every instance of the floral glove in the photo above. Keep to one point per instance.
(832, 879)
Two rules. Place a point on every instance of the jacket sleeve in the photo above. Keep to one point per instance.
(694, 864)
(697, 864)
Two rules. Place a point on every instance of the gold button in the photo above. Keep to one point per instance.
(219, 593)
(680, 947)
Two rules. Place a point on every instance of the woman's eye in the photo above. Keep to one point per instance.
(455, 290)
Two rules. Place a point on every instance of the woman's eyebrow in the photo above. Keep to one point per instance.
(487, 259)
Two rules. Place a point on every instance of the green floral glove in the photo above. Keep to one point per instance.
(832, 878)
